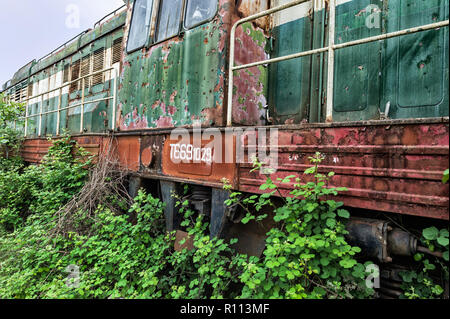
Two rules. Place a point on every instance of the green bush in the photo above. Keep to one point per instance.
(306, 254)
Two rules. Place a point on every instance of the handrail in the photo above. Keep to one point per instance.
(63, 45)
(112, 13)
(82, 103)
(330, 49)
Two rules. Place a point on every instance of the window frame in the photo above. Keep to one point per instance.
(200, 23)
(148, 37)
(152, 39)
(180, 24)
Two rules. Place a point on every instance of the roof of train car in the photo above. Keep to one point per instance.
(86, 37)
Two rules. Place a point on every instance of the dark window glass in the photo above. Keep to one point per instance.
(169, 19)
(199, 11)
(140, 24)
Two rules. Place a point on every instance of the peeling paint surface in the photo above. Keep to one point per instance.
(175, 83)
(392, 168)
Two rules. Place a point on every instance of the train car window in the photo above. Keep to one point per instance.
(199, 11)
(169, 19)
(140, 24)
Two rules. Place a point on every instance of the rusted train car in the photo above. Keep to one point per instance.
(363, 82)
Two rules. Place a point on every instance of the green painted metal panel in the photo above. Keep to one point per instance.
(415, 73)
(289, 94)
(408, 73)
(357, 68)
(174, 83)
(316, 110)
(105, 28)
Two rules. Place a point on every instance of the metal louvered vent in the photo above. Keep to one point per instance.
(30, 90)
(23, 93)
(99, 61)
(117, 51)
(66, 73)
(86, 69)
(17, 95)
(75, 75)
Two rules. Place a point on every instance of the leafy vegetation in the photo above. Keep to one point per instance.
(10, 138)
(421, 282)
(306, 254)
(125, 252)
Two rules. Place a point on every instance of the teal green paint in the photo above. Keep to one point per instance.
(357, 68)
(105, 28)
(422, 59)
(178, 77)
(290, 80)
(409, 72)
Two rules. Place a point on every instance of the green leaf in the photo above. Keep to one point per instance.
(443, 241)
(331, 223)
(408, 276)
(431, 233)
(443, 233)
(324, 261)
(446, 176)
(343, 213)
(347, 263)
(247, 218)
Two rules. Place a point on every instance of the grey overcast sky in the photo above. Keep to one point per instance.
(30, 29)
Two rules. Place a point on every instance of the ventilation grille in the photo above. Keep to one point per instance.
(23, 94)
(30, 90)
(66, 73)
(99, 61)
(117, 51)
(86, 69)
(75, 75)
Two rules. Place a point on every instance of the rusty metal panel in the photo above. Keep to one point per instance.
(128, 151)
(249, 7)
(177, 82)
(250, 86)
(34, 150)
(204, 162)
(188, 241)
(393, 167)
(181, 81)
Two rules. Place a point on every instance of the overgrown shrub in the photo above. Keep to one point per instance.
(306, 254)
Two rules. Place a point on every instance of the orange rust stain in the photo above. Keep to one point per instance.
(147, 157)
(213, 171)
(409, 136)
(128, 148)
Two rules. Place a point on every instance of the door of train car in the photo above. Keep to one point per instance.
(415, 67)
(403, 77)
(289, 81)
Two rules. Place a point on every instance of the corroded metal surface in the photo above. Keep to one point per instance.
(205, 162)
(34, 150)
(181, 81)
(393, 168)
